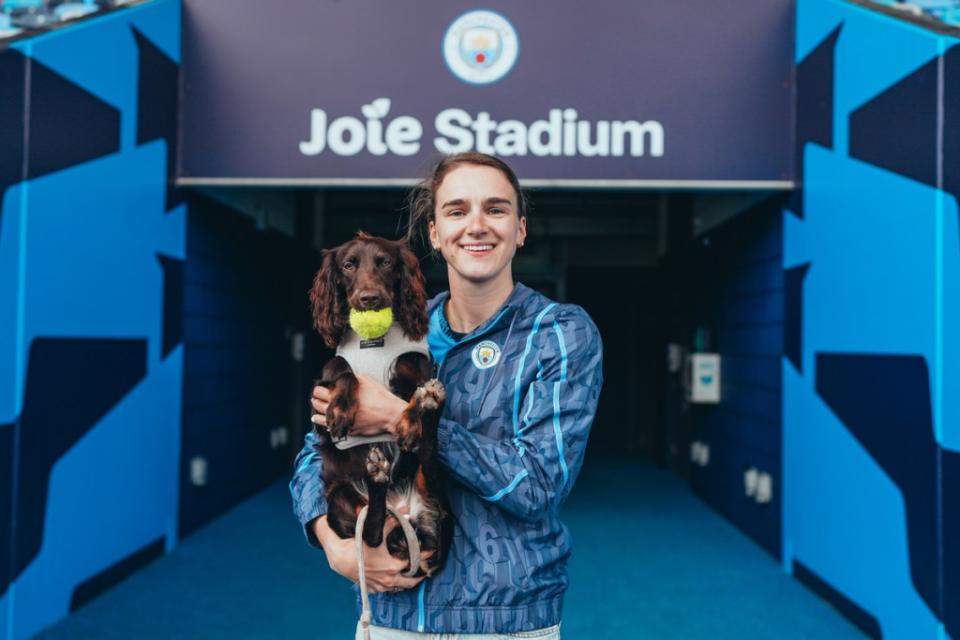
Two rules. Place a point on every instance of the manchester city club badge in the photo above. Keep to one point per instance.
(486, 354)
(480, 47)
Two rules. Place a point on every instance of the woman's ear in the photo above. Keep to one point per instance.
(522, 231)
(411, 300)
(434, 237)
(329, 304)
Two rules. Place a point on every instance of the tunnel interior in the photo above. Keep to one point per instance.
(641, 263)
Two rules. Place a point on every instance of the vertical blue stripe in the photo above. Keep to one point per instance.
(421, 609)
(559, 436)
(556, 403)
(563, 351)
(523, 358)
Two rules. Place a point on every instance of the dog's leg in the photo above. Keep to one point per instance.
(378, 481)
(342, 410)
(427, 402)
(439, 539)
(343, 504)
(431, 398)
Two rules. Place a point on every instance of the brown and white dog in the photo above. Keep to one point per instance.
(371, 273)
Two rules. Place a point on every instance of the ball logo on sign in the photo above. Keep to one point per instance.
(480, 47)
(486, 354)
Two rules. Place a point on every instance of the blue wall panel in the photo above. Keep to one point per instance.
(245, 292)
(740, 300)
(85, 297)
(870, 396)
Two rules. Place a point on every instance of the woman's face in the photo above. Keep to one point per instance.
(476, 227)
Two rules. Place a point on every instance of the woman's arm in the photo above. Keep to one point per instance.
(306, 487)
(533, 472)
(383, 571)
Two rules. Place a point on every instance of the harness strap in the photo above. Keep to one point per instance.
(413, 545)
(349, 441)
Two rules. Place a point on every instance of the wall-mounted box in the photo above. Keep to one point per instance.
(703, 385)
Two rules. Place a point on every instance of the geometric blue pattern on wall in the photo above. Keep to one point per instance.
(793, 314)
(869, 505)
(814, 96)
(59, 137)
(910, 147)
(67, 124)
(13, 72)
(157, 105)
(90, 264)
(172, 301)
(884, 400)
(72, 383)
(863, 619)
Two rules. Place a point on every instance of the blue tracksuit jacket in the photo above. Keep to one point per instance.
(522, 391)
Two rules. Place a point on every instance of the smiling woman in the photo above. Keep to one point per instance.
(522, 375)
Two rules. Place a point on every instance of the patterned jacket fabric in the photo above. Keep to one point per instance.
(522, 392)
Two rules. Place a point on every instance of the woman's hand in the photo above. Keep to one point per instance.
(383, 571)
(378, 410)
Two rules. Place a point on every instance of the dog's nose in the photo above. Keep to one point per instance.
(370, 300)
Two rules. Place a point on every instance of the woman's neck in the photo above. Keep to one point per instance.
(471, 304)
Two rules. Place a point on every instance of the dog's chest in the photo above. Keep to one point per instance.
(376, 358)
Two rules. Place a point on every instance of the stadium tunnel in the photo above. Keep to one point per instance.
(797, 236)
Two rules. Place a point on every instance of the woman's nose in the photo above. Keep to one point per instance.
(477, 224)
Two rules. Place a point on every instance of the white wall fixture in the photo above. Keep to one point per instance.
(764, 488)
(700, 453)
(278, 437)
(704, 383)
(750, 481)
(297, 346)
(198, 471)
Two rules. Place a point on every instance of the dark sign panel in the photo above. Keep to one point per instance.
(328, 91)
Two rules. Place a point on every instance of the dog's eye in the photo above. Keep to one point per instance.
(349, 265)
(385, 262)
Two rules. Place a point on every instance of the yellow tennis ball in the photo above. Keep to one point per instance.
(370, 325)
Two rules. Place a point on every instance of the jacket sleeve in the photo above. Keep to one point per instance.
(532, 473)
(306, 487)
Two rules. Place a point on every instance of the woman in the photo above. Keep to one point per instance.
(522, 375)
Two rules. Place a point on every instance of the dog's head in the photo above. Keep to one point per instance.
(365, 274)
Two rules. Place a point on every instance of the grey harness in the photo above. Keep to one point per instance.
(376, 358)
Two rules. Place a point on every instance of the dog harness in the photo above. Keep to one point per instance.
(376, 358)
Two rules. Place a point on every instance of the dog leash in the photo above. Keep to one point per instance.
(413, 545)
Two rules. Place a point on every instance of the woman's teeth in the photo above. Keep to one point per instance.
(478, 247)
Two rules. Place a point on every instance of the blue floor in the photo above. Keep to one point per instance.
(650, 561)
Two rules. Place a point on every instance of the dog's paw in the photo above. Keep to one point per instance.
(378, 467)
(431, 395)
(340, 418)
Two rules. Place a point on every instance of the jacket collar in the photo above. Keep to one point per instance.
(501, 318)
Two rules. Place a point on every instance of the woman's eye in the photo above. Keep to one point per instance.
(455, 213)
(497, 211)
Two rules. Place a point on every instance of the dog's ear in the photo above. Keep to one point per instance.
(328, 301)
(411, 299)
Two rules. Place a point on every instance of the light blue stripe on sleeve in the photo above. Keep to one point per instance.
(306, 462)
(421, 610)
(556, 403)
(510, 487)
(523, 358)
